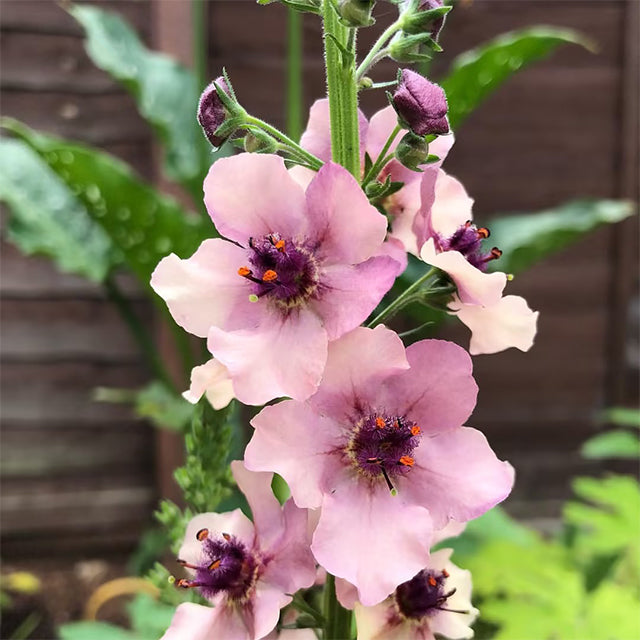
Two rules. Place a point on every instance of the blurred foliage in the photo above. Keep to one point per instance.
(477, 73)
(615, 443)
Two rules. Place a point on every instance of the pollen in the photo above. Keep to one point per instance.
(279, 245)
(495, 253)
(269, 275)
(203, 534)
(483, 232)
(182, 583)
(407, 461)
(380, 423)
(445, 573)
(244, 272)
(415, 430)
(214, 565)
(432, 581)
(226, 536)
(396, 424)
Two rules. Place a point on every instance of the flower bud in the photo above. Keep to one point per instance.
(218, 112)
(259, 142)
(412, 48)
(428, 17)
(356, 13)
(421, 105)
(412, 151)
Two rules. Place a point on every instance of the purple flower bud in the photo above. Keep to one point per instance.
(421, 105)
(212, 113)
(438, 23)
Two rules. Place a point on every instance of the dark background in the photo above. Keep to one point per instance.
(80, 480)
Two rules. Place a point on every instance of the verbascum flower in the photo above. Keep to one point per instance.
(380, 450)
(421, 105)
(298, 268)
(246, 570)
(452, 243)
(212, 380)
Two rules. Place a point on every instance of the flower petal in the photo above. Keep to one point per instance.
(212, 379)
(474, 286)
(267, 362)
(509, 323)
(355, 366)
(292, 440)
(233, 522)
(267, 602)
(456, 476)
(348, 228)
(452, 205)
(253, 195)
(371, 538)
(438, 392)
(381, 622)
(351, 293)
(205, 289)
(381, 127)
(192, 622)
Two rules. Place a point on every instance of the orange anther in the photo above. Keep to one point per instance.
(279, 245)
(495, 253)
(415, 430)
(244, 271)
(396, 424)
(407, 461)
(380, 423)
(269, 275)
(182, 583)
(483, 232)
(214, 565)
(432, 581)
(445, 573)
(203, 534)
(226, 536)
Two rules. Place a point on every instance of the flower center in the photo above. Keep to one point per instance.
(283, 270)
(381, 446)
(225, 565)
(467, 240)
(424, 595)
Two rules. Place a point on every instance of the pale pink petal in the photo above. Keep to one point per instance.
(205, 290)
(192, 622)
(422, 226)
(234, 523)
(293, 566)
(302, 175)
(509, 323)
(267, 362)
(267, 602)
(351, 293)
(212, 379)
(316, 138)
(292, 440)
(438, 392)
(395, 249)
(371, 538)
(381, 127)
(452, 205)
(348, 228)
(381, 622)
(441, 146)
(474, 286)
(404, 205)
(346, 593)
(451, 530)
(456, 476)
(355, 366)
(253, 195)
(232, 623)
(268, 519)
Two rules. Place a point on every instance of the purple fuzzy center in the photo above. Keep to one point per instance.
(225, 565)
(282, 270)
(467, 240)
(423, 595)
(381, 445)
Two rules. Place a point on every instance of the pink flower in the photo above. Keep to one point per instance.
(435, 600)
(300, 268)
(404, 205)
(455, 245)
(246, 570)
(212, 380)
(380, 450)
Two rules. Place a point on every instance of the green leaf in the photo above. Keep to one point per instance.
(166, 92)
(622, 417)
(149, 618)
(477, 73)
(95, 631)
(528, 238)
(141, 222)
(47, 219)
(613, 444)
(163, 407)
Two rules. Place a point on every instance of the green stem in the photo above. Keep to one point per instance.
(340, 56)
(337, 618)
(382, 158)
(309, 158)
(402, 300)
(294, 74)
(304, 607)
(376, 54)
(138, 331)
